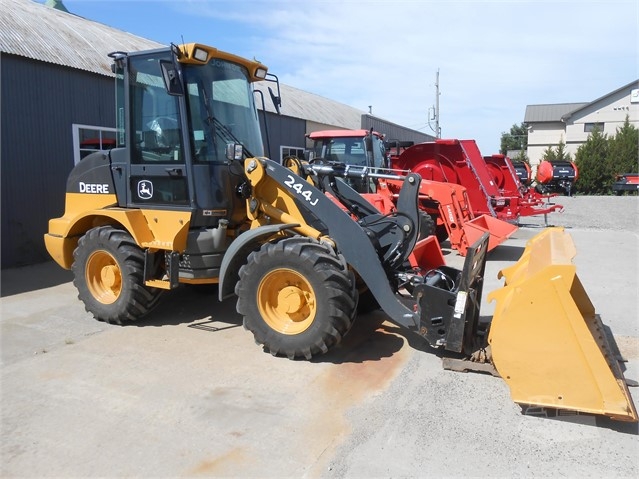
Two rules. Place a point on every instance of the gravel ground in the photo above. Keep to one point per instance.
(616, 213)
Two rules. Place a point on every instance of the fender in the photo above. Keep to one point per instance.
(237, 253)
(154, 229)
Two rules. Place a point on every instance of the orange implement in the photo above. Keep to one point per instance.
(449, 203)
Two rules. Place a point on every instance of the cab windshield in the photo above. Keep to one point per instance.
(350, 151)
(221, 110)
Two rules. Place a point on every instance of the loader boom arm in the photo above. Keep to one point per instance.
(444, 304)
(351, 239)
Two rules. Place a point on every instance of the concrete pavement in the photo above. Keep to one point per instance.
(188, 393)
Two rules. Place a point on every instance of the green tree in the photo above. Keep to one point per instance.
(624, 149)
(549, 154)
(516, 139)
(592, 160)
(522, 157)
(562, 154)
(559, 154)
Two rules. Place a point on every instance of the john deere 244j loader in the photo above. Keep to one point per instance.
(186, 197)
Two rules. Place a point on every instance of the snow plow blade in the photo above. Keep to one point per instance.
(546, 341)
(499, 231)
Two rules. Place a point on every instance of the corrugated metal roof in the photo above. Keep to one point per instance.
(550, 112)
(35, 31)
(309, 106)
(562, 111)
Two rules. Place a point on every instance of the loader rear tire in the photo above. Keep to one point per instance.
(108, 271)
(297, 297)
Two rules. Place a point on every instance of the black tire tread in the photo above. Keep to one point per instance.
(136, 300)
(427, 225)
(335, 314)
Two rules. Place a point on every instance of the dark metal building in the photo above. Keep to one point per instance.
(37, 153)
(57, 97)
(56, 83)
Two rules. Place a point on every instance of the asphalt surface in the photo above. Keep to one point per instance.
(187, 392)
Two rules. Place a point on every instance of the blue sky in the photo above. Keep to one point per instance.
(494, 58)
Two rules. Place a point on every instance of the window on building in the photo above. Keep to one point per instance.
(291, 151)
(88, 139)
(590, 127)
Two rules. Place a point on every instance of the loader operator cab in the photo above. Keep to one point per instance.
(177, 110)
(361, 148)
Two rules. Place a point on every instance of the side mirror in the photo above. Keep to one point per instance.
(276, 99)
(171, 78)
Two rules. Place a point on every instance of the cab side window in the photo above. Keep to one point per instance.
(156, 124)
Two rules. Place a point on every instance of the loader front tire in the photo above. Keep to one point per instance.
(297, 297)
(427, 225)
(108, 271)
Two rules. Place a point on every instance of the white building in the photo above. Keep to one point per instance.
(571, 123)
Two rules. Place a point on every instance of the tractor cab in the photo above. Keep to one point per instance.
(177, 110)
(356, 148)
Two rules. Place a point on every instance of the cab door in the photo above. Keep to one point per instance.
(158, 167)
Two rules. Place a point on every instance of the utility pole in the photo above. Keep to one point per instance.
(438, 130)
(434, 110)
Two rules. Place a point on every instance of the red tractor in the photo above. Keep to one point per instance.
(446, 208)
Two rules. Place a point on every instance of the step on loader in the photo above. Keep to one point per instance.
(186, 197)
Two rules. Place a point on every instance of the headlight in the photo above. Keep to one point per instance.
(200, 55)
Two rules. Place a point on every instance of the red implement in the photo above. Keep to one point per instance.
(525, 199)
(492, 190)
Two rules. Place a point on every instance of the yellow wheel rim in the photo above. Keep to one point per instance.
(286, 301)
(103, 276)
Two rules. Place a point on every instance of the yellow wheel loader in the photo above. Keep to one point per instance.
(187, 197)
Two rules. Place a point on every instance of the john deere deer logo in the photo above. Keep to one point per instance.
(145, 189)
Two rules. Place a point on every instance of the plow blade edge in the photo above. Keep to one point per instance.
(546, 341)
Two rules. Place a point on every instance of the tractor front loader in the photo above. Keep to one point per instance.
(186, 197)
(446, 203)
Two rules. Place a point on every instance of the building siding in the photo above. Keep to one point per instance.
(37, 153)
(547, 129)
(282, 131)
(612, 112)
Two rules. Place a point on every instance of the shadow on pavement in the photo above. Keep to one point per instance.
(33, 277)
(369, 339)
(195, 305)
(505, 252)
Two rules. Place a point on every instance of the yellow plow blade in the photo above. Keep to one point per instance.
(546, 341)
